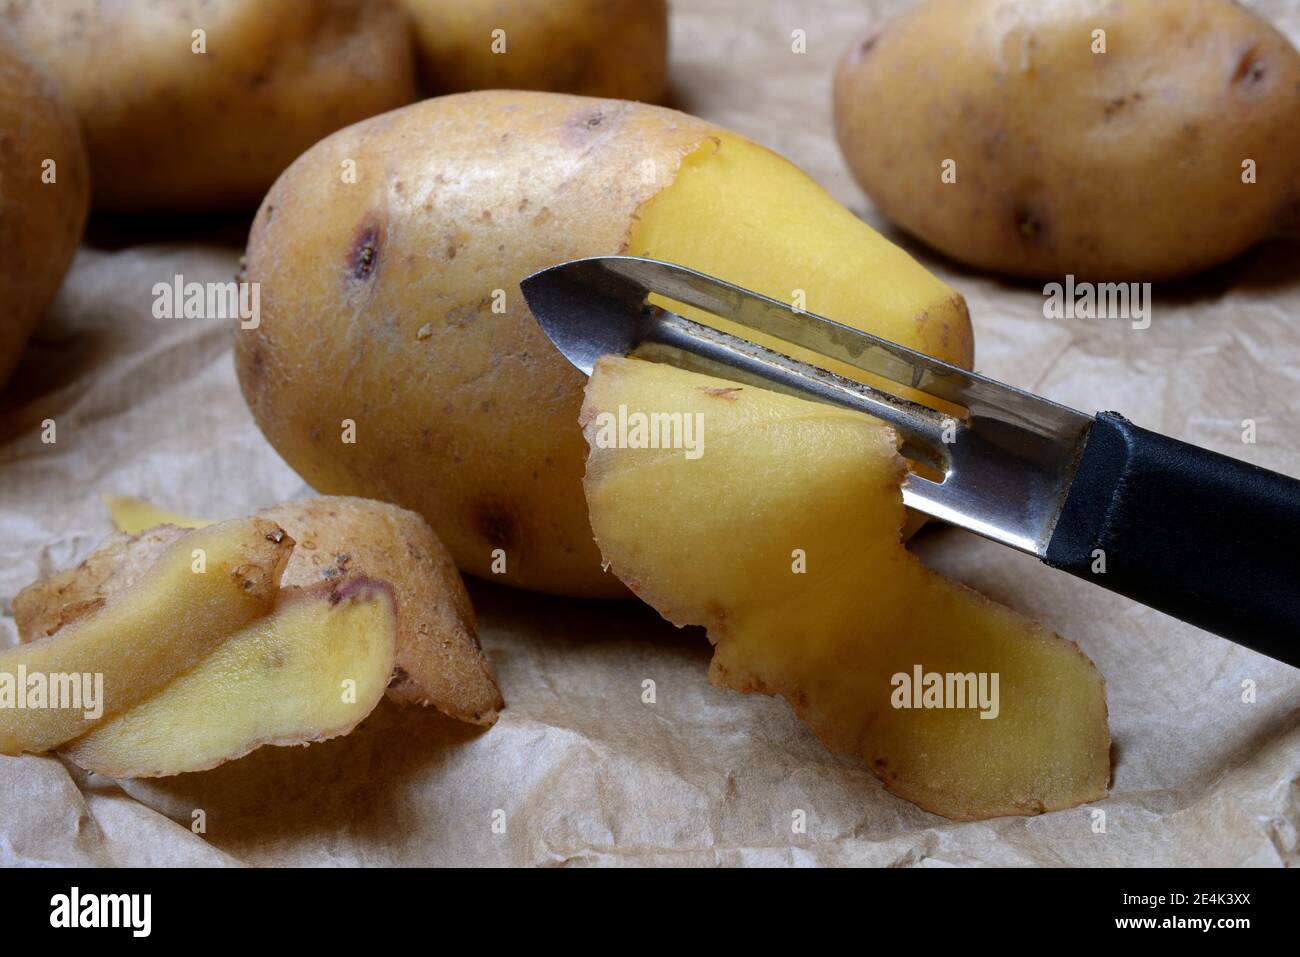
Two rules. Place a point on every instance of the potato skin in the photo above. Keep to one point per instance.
(168, 129)
(1123, 165)
(68, 596)
(377, 306)
(439, 661)
(40, 223)
(610, 48)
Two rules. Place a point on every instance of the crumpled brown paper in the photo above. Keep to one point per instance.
(579, 769)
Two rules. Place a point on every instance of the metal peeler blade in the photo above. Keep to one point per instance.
(1007, 458)
(1198, 535)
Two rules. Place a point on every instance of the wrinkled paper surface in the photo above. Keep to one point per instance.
(581, 770)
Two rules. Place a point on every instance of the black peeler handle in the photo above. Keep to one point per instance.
(1195, 534)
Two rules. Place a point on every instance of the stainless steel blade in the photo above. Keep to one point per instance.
(1007, 460)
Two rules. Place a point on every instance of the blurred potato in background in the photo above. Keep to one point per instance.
(611, 48)
(198, 105)
(192, 105)
(44, 197)
(1113, 141)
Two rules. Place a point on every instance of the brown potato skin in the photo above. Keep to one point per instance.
(376, 307)
(40, 223)
(171, 130)
(609, 48)
(1118, 166)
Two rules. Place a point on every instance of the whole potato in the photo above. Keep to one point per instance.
(395, 356)
(172, 129)
(44, 196)
(1122, 164)
(614, 48)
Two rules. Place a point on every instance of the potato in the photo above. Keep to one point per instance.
(615, 48)
(1118, 165)
(396, 358)
(172, 129)
(782, 538)
(309, 671)
(439, 662)
(44, 197)
(207, 585)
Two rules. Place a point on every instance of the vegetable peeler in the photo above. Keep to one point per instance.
(1192, 533)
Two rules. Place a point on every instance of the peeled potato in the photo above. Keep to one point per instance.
(309, 671)
(781, 483)
(206, 585)
(396, 358)
(1110, 141)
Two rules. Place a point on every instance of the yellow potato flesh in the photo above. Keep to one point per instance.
(712, 541)
(439, 662)
(309, 671)
(133, 515)
(745, 214)
(152, 632)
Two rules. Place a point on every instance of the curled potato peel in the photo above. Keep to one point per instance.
(783, 540)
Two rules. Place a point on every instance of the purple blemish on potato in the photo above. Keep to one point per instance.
(588, 123)
(363, 256)
(1029, 225)
(496, 525)
(1120, 102)
(359, 586)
